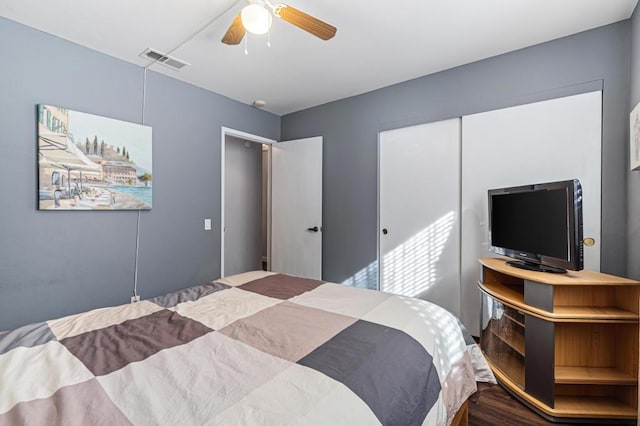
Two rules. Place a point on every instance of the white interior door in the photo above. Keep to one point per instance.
(419, 205)
(296, 202)
(547, 141)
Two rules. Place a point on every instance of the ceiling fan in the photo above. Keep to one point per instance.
(256, 18)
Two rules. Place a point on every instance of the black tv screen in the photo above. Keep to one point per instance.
(540, 225)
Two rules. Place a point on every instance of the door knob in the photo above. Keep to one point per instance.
(314, 229)
(384, 231)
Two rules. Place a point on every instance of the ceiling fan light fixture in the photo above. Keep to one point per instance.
(256, 19)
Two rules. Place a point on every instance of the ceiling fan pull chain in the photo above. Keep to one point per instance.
(269, 38)
(246, 45)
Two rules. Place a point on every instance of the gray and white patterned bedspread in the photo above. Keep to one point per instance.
(253, 349)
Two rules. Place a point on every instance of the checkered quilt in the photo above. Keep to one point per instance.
(253, 349)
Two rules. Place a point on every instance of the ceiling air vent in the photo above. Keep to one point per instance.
(164, 59)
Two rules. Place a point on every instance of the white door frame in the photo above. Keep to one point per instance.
(226, 131)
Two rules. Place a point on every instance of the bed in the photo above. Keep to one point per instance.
(258, 348)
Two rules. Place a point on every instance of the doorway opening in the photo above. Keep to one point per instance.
(292, 188)
(245, 225)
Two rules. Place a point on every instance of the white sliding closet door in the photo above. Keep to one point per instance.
(545, 141)
(419, 205)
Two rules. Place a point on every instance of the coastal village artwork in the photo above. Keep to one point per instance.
(87, 162)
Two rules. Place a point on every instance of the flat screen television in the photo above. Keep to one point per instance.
(539, 225)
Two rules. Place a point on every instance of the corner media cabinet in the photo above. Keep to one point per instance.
(564, 344)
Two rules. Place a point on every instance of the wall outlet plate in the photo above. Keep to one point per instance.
(135, 299)
(207, 224)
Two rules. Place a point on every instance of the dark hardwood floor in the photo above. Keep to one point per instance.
(492, 405)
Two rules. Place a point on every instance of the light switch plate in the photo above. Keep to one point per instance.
(207, 224)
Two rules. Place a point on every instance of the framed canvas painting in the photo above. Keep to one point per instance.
(634, 133)
(88, 162)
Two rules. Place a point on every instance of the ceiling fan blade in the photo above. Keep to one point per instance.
(235, 33)
(306, 22)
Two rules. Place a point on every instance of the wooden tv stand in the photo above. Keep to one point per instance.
(564, 344)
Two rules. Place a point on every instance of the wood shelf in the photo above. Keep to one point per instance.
(592, 407)
(597, 312)
(510, 367)
(596, 407)
(515, 341)
(594, 375)
(581, 335)
(514, 299)
(570, 278)
(505, 293)
(514, 320)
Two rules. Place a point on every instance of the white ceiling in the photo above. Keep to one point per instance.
(377, 43)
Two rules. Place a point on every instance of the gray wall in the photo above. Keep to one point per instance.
(633, 178)
(58, 263)
(242, 206)
(575, 64)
